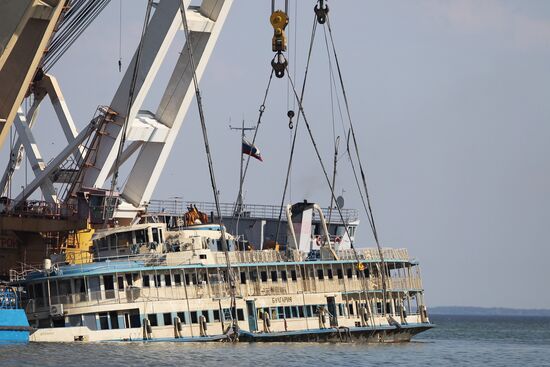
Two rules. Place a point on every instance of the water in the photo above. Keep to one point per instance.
(457, 341)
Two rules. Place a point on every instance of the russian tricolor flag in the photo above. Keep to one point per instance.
(251, 150)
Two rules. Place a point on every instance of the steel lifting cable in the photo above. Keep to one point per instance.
(230, 276)
(129, 108)
(320, 159)
(258, 122)
(75, 21)
(291, 156)
(363, 176)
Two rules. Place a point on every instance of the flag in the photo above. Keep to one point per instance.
(251, 150)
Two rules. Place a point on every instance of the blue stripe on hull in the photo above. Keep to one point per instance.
(16, 319)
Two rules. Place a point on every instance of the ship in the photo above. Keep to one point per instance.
(120, 266)
(152, 283)
(14, 326)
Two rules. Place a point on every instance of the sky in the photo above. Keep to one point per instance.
(449, 100)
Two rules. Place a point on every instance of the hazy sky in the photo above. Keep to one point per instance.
(450, 101)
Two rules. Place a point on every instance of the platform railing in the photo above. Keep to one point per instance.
(179, 207)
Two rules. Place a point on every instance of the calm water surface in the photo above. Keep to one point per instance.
(457, 341)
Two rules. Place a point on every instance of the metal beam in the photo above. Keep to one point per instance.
(20, 61)
(55, 163)
(176, 100)
(34, 156)
(160, 32)
(17, 153)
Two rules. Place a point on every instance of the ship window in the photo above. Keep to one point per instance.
(350, 306)
(135, 318)
(309, 312)
(95, 290)
(301, 311)
(122, 239)
(146, 281)
(155, 232)
(120, 282)
(187, 281)
(274, 276)
(114, 319)
(216, 315)
(206, 315)
(366, 272)
(329, 273)
(194, 278)
(103, 320)
(263, 275)
(320, 274)
(153, 319)
(194, 318)
(379, 307)
(240, 314)
(340, 309)
(129, 279)
(75, 320)
(167, 318)
(168, 280)
(340, 273)
(254, 275)
(293, 275)
(283, 275)
(281, 312)
(89, 321)
(288, 313)
(243, 277)
(294, 311)
(141, 236)
(349, 273)
(157, 281)
(102, 244)
(182, 317)
(177, 279)
(108, 282)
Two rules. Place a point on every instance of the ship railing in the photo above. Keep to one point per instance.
(372, 254)
(179, 207)
(241, 257)
(397, 283)
(37, 208)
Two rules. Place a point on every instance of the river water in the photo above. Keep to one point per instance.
(456, 341)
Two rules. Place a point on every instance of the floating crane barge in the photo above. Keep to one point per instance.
(107, 266)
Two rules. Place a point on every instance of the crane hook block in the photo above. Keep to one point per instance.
(321, 11)
(279, 21)
(279, 64)
(290, 115)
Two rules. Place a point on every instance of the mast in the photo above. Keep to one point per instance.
(241, 177)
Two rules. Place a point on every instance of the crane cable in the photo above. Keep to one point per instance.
(258, 122)
(128, 110)
(234, 318)
(368, 207)
(291, 156)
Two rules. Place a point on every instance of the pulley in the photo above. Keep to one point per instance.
(321, 10)
(279, 21)
(279, 64)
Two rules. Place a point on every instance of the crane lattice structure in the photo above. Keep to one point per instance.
(150, 135)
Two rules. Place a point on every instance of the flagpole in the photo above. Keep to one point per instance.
(239, 203)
